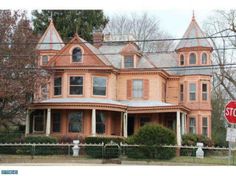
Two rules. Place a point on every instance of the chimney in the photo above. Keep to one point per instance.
(97, 38)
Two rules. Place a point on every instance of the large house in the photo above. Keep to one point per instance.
(112, 88)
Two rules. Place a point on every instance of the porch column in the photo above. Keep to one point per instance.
(178, 131)
(27, 123)
(93, 125)
(48, 124)
(183, 123)
(125, 121)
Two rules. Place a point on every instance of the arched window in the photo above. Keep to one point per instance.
(76, 55)
(181, 59)
(204, 58)
(192, 59)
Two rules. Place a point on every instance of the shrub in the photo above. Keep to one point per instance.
(11, 137)
(40, 139)
(192, 139)
(152, 137)
(98, 152)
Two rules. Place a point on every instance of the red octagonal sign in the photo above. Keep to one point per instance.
(230, 112)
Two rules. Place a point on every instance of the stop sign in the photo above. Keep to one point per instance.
(230, 112)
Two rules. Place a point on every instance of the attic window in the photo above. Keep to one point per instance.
(76, 55)
(128, 61)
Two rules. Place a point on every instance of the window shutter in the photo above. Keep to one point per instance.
(145, 89)
(129, 89)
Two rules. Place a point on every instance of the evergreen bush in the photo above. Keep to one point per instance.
(151, 138)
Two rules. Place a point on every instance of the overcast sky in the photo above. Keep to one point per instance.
(175, 22)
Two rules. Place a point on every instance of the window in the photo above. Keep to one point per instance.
(192, 59)
(181, 59)
(99, 86)
(76, 85)
(100, 122)
(44, 60)
(57, 86)
(204, 58)
(204, 126)
(137, 88)
(76, 55)
(192, 125)
(181, 92)
(144, 120)
(38, 123)
(204, 92)
(56, 122)
(192, 91)
(75, 121)
(129, 61)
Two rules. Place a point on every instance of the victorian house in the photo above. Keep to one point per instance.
(112, 88)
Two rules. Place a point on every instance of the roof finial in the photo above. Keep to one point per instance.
(193, 17)
(76, 29)
(51, 19)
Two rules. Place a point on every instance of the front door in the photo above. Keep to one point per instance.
(130, 125)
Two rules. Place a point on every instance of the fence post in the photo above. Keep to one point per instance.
(68, 149)
(102, 150)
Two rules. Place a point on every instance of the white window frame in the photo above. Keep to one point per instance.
(94, 77)
(137, 92)
(191, 126)
(192, 92)
(205, 93)
(203, 126)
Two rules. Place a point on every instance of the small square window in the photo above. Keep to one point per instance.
(128, 61)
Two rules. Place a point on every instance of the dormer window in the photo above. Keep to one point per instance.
(129, 61)
(204, 58)
(192, 58)
(76, 55)
(181, 59)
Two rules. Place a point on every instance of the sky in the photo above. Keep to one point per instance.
(172, 21)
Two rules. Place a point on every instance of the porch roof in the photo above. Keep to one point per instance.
(108, 101)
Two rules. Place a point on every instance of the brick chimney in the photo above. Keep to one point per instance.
(97, 38)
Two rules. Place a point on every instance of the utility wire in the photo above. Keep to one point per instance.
(122, 41)
(173, 68)
(106, 54)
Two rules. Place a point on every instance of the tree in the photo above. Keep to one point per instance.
(19, 74)
(223, 24)
(141, 27)
(68, 22)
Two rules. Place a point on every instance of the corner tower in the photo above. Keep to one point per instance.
(49, 44)
(194, 55)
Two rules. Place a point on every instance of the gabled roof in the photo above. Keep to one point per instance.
(76, 39)
(193, 31)
(51, 40)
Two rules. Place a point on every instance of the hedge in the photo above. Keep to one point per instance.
(102, 152)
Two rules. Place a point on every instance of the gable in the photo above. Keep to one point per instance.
(90, 55)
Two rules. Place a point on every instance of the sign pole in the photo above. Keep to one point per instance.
(230, 152)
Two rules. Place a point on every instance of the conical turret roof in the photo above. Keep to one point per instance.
(51, 40)
(193, 31)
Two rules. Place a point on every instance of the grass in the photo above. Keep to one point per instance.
(181, 160)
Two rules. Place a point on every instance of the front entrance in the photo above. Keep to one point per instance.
(130, 125)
